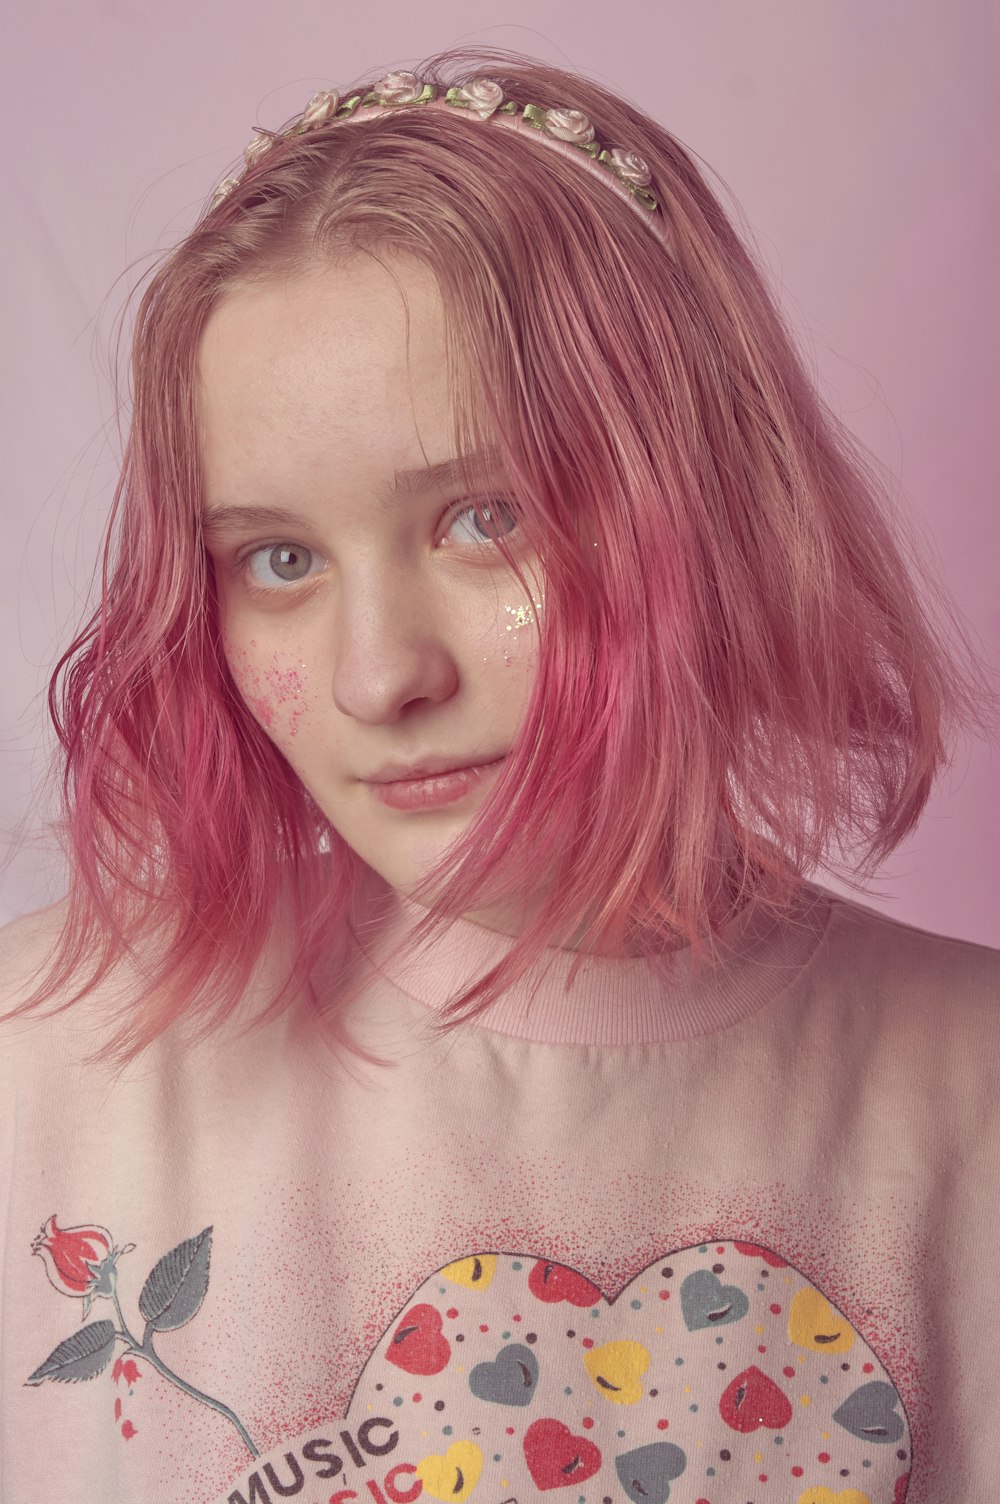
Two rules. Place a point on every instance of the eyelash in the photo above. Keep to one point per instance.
(243, 560)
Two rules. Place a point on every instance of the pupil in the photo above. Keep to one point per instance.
(489, 516)
(285, 559)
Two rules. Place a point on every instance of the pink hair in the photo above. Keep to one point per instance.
(738, 676)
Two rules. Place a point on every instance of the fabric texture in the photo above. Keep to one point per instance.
(727, 1241)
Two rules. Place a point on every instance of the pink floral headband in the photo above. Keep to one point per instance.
(566, 130)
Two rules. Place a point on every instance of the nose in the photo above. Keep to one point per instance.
(391, 645)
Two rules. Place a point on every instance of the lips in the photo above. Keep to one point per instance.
(431, 767)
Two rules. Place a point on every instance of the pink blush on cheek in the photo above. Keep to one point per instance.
(266, 691)
(262, 710)
(286, 689)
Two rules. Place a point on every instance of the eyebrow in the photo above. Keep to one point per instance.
(217, 521)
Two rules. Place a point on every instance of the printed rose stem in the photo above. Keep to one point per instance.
(146, 1350)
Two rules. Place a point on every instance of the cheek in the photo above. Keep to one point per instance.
(518, 624)
(273, 685)
(516, 618)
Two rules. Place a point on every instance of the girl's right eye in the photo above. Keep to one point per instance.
(289, 561)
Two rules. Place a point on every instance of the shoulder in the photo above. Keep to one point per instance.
(30, 1042)
(927, 1002)
(905, 952)
(71, 1005)
(27, 944)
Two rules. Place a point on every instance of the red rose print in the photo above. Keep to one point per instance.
(72, 1256)
(81, 1262)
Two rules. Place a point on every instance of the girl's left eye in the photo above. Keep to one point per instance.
(487, 510)
(291, 561)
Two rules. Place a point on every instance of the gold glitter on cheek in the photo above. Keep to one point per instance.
(523, 617)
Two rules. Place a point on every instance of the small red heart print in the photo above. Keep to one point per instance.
(418, 1345)
(552, 1282)
(753, 1400)
(556, 1458)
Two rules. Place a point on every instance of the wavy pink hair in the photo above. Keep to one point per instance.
(740, 675)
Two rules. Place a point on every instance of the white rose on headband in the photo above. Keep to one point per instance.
(399, 88)
(256, 149)
(632, 167)
(569, 125)
(482, 95)
(224, 189)
(320, 108)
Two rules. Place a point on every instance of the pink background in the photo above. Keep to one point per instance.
(858, 140)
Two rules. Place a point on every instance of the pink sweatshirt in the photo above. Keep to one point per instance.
(731, 1241)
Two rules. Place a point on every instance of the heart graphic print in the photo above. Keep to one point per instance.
(719, 1375)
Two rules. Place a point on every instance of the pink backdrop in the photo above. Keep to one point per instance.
(859, 140)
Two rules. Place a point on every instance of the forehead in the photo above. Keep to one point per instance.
(349, 357)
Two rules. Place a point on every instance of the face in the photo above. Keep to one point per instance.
(364, 625)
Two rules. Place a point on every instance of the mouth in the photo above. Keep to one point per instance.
(435, 789)
(433, 767)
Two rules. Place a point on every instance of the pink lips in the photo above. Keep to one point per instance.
(439, 789)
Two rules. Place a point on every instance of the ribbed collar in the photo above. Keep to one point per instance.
(612, 1001)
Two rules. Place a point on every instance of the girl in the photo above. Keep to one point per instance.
(377, 1129)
